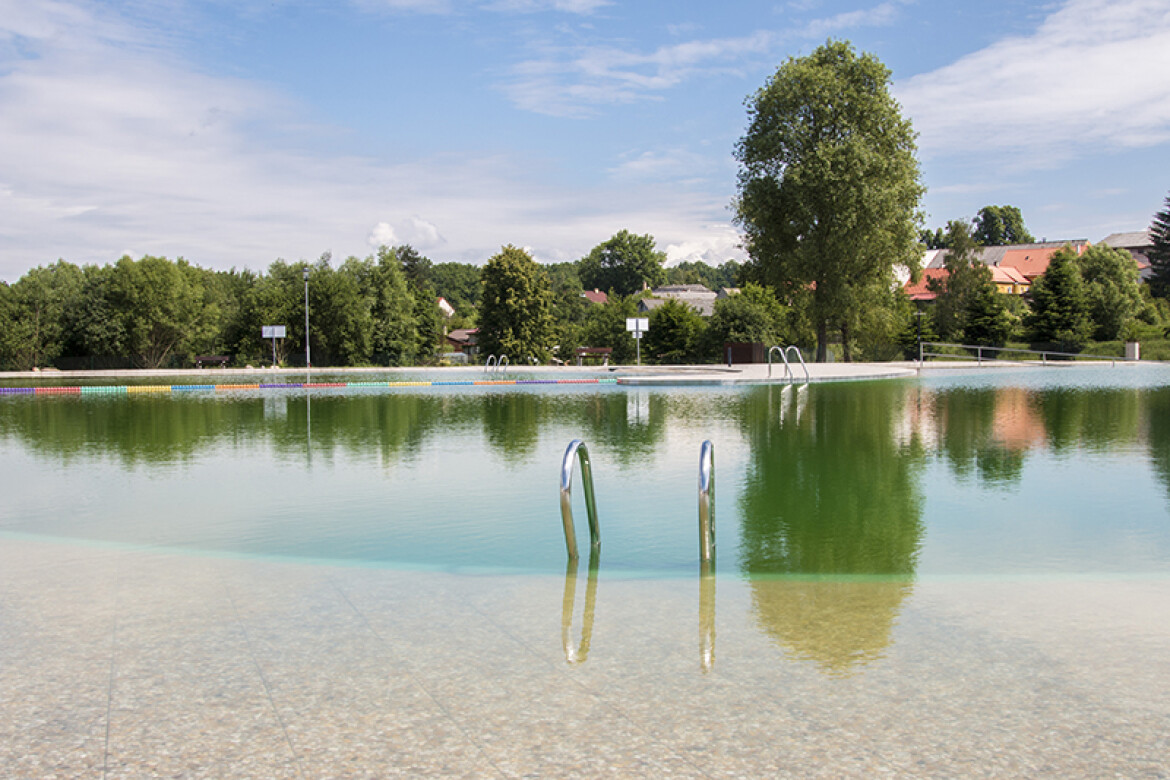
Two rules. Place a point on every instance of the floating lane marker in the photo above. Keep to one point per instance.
(104, 390)
(136, 389)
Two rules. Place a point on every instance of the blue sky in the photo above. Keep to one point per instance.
(235, 132)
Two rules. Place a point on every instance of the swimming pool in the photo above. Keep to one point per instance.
(966, 572)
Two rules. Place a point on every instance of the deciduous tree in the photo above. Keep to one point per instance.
(516, 310)
(829, 183)
(623, 264)
(1000, 225)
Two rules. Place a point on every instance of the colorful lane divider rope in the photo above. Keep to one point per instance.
(140, 389)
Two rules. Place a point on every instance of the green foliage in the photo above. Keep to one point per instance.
(605, 326)
(675, 336)
(1113, 289)
(1001, 225)
(1160, 252)
(32, 315)
(754, 315)
(516, 309)
(623, 264)
(969, 309)
(987, 320)
(164, 309)
(1060, 307)
(829, 184)
(459, 284)
(697, 272)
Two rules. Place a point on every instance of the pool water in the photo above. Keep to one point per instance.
(1026, 473)
(965, 574)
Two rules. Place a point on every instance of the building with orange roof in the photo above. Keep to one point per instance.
(1010, 281)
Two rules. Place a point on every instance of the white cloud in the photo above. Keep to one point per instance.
(577, 80)
(716, 244)
(419, 233)
(878, 16)
(111, 142)
(531, 6)
(1095, 74)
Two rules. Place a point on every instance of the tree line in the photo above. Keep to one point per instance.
(828, 199)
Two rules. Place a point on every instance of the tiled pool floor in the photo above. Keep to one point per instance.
(118, 663)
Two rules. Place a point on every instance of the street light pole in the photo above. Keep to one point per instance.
(308, 363)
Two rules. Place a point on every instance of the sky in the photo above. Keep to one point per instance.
(236, 132)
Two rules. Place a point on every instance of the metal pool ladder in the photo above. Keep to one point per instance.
(578, 451)
(577, 448)
(787, 365)
(706, 501)
(494, 365)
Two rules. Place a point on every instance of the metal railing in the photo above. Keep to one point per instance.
(578, 450)
(980, 350)
(706, 501)
(494, 365)
(787, 365)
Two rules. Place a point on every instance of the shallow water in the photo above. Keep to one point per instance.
(1036, 472)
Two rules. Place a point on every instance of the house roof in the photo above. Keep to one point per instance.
(703, 304)
(595, 296)
(1031, 259)
(1135, 241)
(920, 291)
(1004, 274)
(675, 290)
(464, 335)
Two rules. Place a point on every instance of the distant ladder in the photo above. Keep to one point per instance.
(787, 365)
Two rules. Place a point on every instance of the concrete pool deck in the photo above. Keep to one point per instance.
(664, 376)
(123, 663)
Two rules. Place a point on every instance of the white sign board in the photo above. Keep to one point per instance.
(272, 331)
(638, 324)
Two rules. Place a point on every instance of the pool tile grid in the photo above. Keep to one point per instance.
(134, 664)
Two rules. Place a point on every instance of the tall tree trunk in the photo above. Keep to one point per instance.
(822, 341)
(845, 343)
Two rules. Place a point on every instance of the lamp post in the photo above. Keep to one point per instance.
(308, 363)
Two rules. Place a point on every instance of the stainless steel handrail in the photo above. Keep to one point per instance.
(707, 501)
(502, 365)
(487, 364)
(783, 356)
(577, 448)
(1043, 353)
(800, 357)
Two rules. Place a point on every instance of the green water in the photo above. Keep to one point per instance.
(1031, 473)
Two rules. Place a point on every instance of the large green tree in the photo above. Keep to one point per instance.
(516, 309)
(623, 264)
(1060, 307)
(754, 315)
(675, 335)
(1001, 225)
(829, 182)
(1160, 252)
(33, 315)
(164, 308)
(1113, 289)
(968, 308)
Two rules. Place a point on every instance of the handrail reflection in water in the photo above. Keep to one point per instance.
(707, 616)
(579, 653)
(577, 448)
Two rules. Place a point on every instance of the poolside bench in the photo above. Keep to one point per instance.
(212, 360)
(601, 352)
